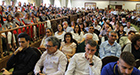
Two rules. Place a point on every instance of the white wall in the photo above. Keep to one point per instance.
(104, 4)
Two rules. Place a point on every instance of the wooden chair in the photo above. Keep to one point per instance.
(108, 59)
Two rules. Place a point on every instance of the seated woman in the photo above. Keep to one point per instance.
(27, 21)
(134, 46)
(49, 32)
(77, 34)
(60, 33)
(9, 36)
(10, 24)
(68, 47)
(82, 28)
(2, 13)
(17, 20)
(121, 31)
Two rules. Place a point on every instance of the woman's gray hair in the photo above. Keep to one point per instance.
(54, 40)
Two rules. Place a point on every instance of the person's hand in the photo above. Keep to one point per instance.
(89, 58)
(68, 57)
(41, 74)
(18, 50)
(5, 72)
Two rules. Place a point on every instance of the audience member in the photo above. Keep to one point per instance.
(49, 32)
(85, 63)
(134, 46)
(60, 33)
(129, 28)
(24, 58)
(124, 66)
(77, 34)
(110, 47)
(68, 47)
(66, 27)
(53, 60)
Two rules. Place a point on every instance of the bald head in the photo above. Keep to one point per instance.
(89, 36)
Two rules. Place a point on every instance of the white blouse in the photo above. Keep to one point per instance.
(60, 36)
(67, 49)
(76, 36)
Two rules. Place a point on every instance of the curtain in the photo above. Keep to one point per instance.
(57, 3)
(7, 2)
(69, 4)
(22, 2)
(47, 2)
(52, 2)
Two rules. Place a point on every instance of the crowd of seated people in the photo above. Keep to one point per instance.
(82, 43)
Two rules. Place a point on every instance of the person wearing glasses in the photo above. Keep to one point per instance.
(49, 32)
(85, 63)
(53, 60)
(110, 47)
(91, 30)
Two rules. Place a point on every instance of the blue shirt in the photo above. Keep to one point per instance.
(109, 50)
(68, 29)
(109, 69)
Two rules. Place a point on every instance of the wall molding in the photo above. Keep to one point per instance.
(108, 0)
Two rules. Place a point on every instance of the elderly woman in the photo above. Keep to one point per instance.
(134, 46)
(49, 32)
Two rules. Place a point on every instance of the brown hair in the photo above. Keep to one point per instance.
(128, 58)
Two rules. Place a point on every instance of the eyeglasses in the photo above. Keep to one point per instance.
(91, 28)
(113, 36)
(48, 46)
(90, 49)
(21, 41)
(47, 32)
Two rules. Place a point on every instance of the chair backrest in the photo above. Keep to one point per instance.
(37, 51)
(137, 63)
(96, 32)
(108, 59)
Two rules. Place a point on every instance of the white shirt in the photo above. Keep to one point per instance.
(79, 65)
(97, 27)
(54, 64)
(60, 36)
(126, 29)
(76, 36)
(95, 37)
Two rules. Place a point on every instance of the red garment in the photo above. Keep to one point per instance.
(0, 26)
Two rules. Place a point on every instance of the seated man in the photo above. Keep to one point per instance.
(91, 30)
(53, 60)
(66, 27)
(24, 58)
(124, 66)
(85, 63)
(81, 46)
(110, 47)
(126, 39)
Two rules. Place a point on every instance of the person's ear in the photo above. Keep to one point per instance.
(118, 62)
(56, 47)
